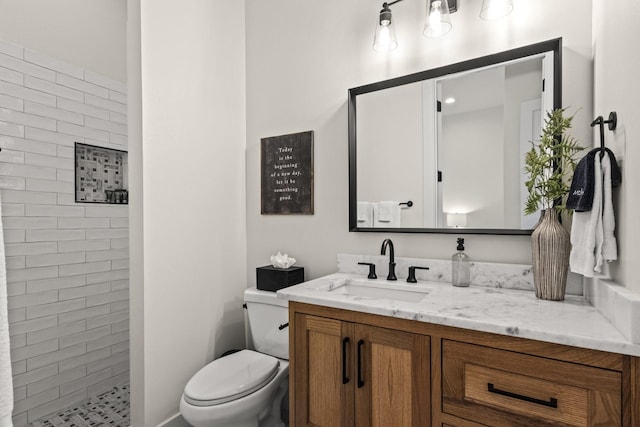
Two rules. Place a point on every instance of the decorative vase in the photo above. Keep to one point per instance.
(550, 244)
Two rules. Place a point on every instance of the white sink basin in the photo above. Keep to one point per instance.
(385, 290)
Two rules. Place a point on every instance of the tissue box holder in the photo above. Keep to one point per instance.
(271, 279)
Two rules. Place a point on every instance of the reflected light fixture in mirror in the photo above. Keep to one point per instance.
(456, 220)
(438, 22)
(385, 38)
(495, 9)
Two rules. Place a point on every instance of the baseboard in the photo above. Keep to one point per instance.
(175, 421)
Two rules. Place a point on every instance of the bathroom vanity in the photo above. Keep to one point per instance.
(378, 353)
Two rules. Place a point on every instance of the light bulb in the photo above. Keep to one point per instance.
(435, 16)
(385, 40)
(438, 22)
(495, 9)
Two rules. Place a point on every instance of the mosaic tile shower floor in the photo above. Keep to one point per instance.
(110, 408)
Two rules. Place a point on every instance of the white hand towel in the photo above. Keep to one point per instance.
(365, 214)
(606, 248)
(387, 214)
(584, 229)
(592, 233)
(6, 382)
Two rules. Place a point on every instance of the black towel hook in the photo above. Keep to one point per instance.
(612, 123)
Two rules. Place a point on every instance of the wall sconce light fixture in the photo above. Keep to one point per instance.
(437, 22)
(385, 38)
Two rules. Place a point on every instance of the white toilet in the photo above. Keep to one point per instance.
(245, 389)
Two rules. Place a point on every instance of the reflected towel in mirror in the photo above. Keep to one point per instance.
(387, 214)
(365, 214)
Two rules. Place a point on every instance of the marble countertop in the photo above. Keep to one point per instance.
(573, 322)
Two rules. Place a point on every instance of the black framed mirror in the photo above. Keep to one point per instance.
(442, 150)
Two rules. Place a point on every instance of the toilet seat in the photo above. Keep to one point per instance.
(230, 378)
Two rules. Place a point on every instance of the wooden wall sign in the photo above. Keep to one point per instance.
(287, 174)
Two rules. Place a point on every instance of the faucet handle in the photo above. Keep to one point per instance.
(372, 269)
(412, 273)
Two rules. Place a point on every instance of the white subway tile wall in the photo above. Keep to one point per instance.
(67, 262)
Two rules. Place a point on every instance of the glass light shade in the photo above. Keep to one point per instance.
(385, 38)
(438, 21)
(495, 9)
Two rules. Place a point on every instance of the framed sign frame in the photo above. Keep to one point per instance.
(101, 175)
(287, 174)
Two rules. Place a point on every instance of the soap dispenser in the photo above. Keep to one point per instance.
(460, 267)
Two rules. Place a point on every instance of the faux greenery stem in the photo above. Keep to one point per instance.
(549, 162)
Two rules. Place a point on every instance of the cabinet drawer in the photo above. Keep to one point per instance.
(504, 388)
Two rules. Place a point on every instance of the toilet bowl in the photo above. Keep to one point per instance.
(245, 389)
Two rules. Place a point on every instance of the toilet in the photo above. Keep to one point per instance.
(246, 388)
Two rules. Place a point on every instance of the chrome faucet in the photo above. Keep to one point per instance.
(392, 263)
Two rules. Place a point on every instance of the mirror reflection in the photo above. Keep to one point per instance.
(452, 142)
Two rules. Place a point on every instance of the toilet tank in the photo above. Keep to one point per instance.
(268, 316)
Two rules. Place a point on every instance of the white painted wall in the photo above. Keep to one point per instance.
(190, 251)
(136, 215)
(88, 34)
(301, 59)
(616, 88)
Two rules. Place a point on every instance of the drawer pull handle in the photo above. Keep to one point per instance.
(345, 378)
(552, 403)
(360, 379)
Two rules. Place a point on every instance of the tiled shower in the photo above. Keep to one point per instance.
(67, 262)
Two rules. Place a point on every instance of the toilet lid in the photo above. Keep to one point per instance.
(230, 378)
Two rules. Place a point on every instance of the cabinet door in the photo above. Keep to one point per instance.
(392, 378)
(323, 364)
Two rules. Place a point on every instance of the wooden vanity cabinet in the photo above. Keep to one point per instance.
(357, 369)
(345, 373)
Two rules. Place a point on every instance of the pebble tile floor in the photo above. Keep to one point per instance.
(110, 408)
